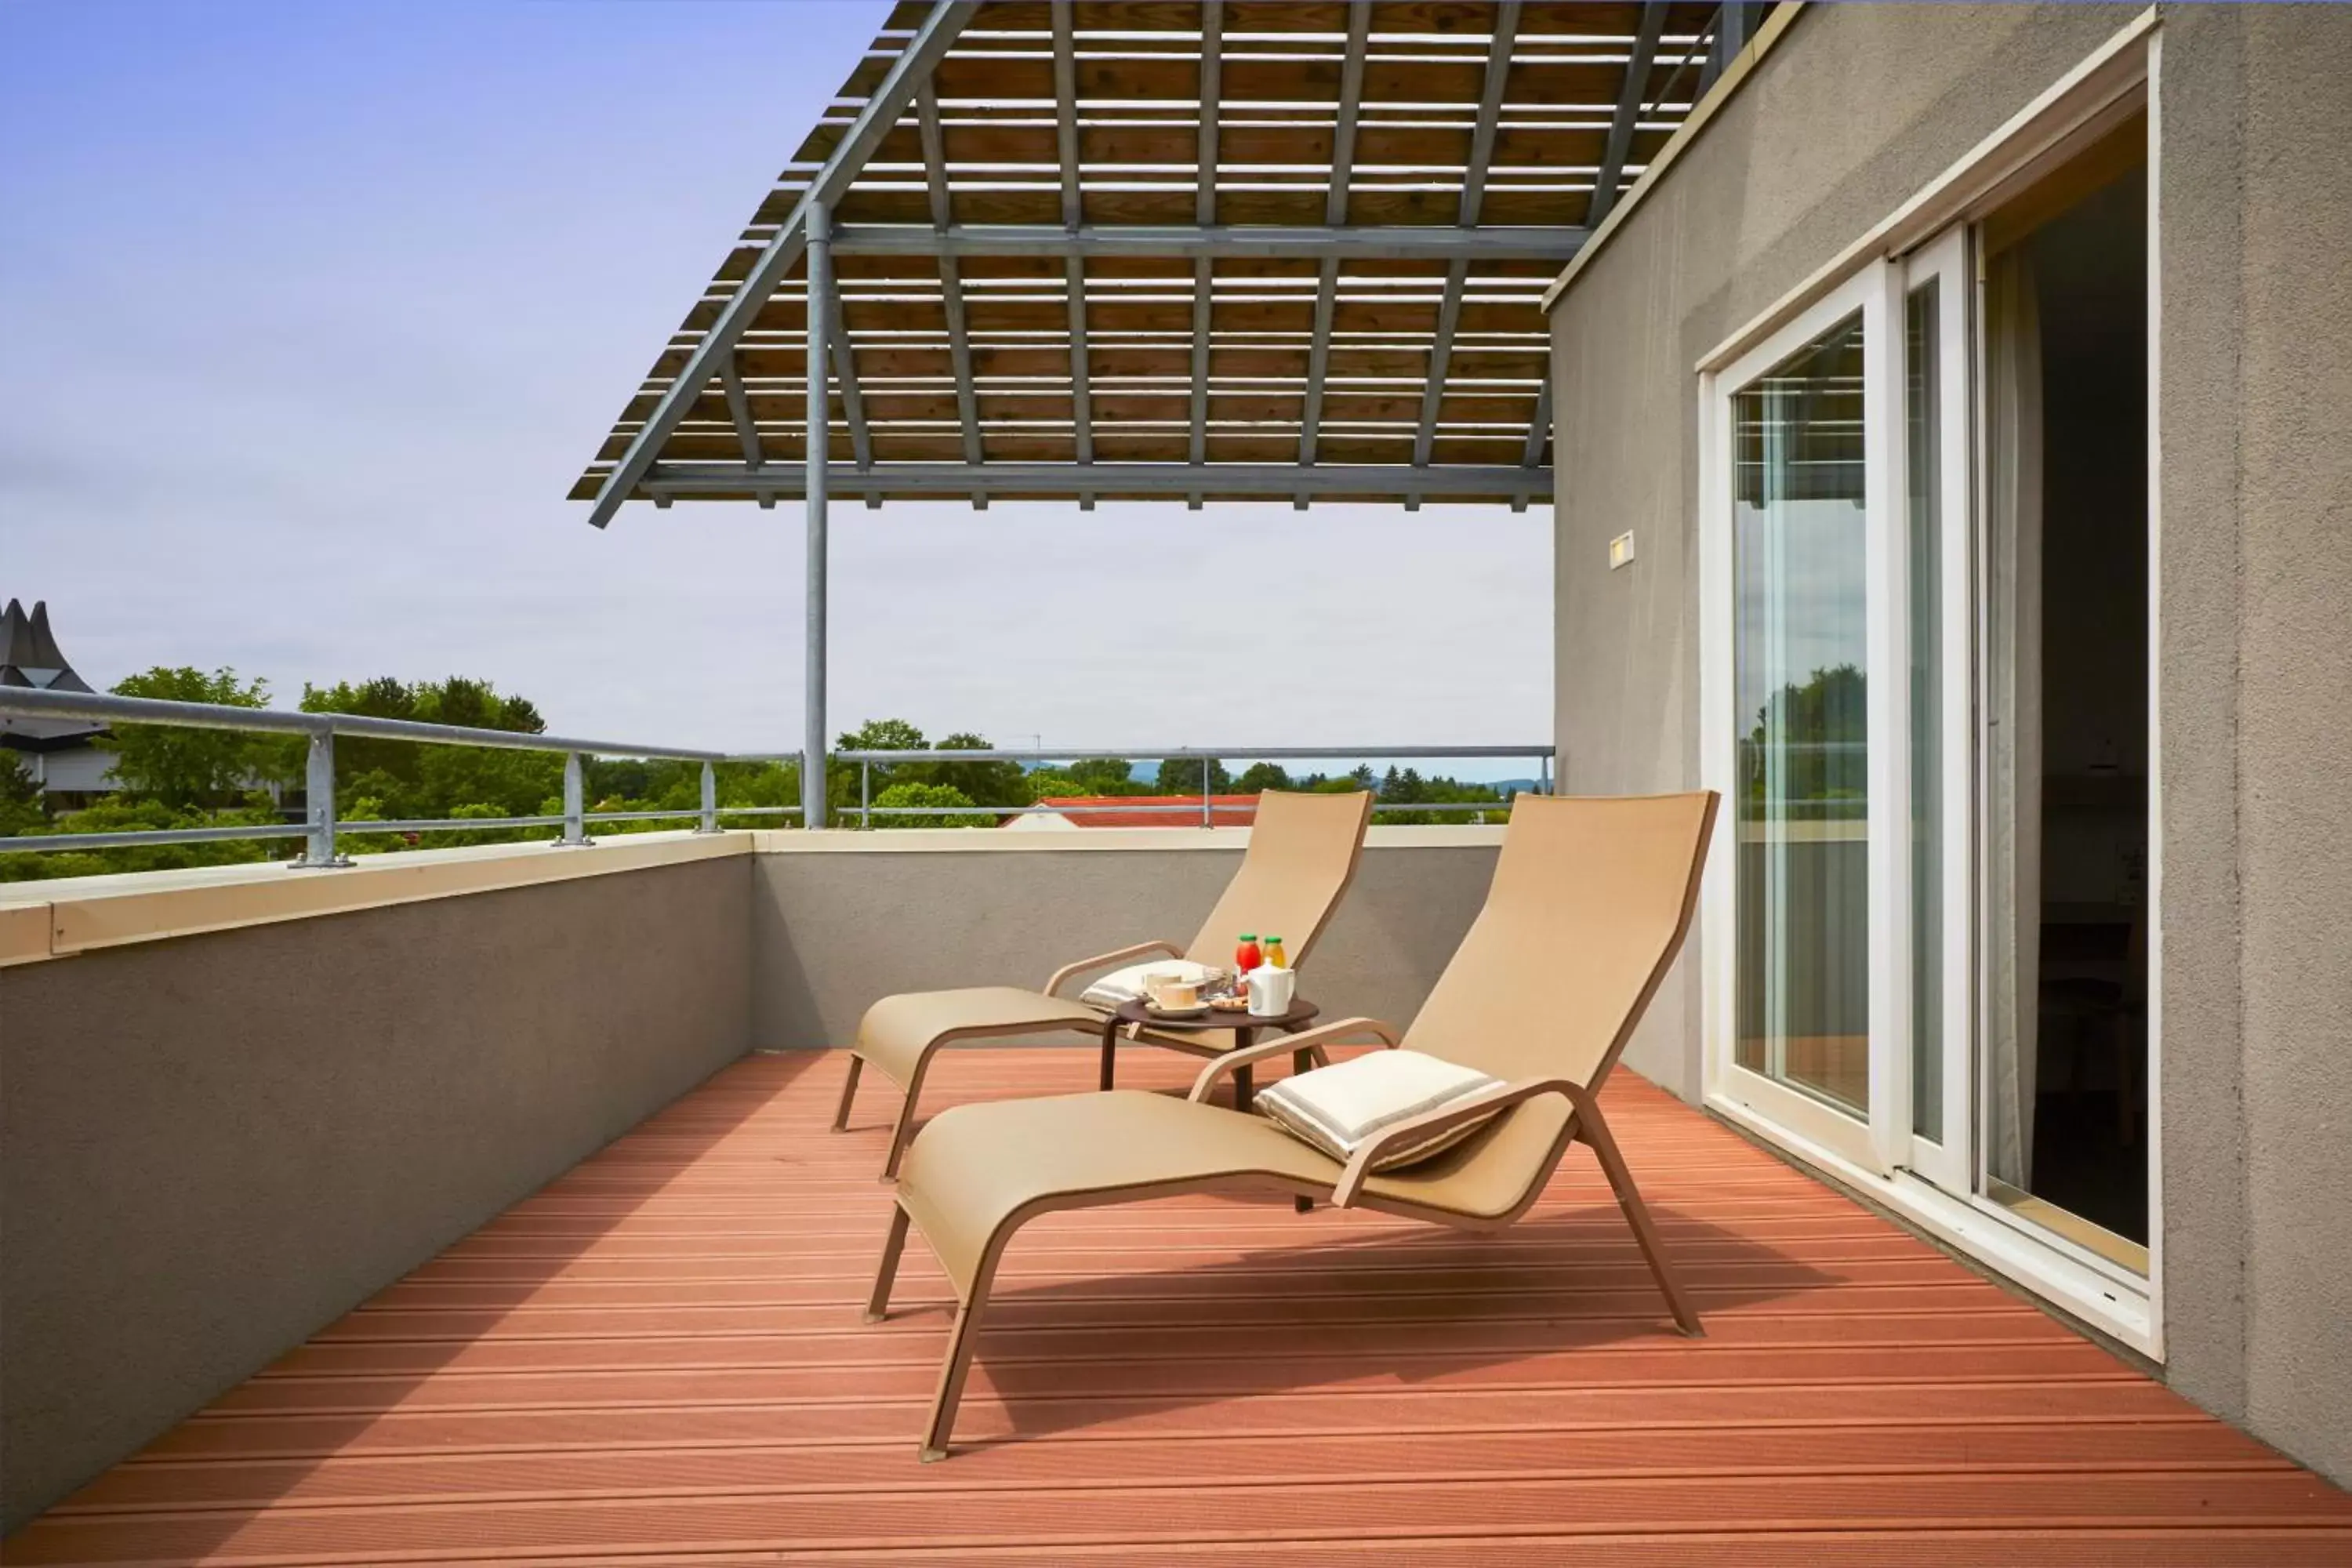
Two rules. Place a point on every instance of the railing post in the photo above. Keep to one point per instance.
(1208, 799)
(819, 266)
(319, 804)
(575, 823)
(710, 822)
(865, 792)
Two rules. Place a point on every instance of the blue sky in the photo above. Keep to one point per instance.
(311, 312)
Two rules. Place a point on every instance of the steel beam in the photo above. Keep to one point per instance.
(1731, 30)
(1539, 427)
(845, 371)
(1066, 112)
(1213, 43)
(1474, 197)
(1441, 351)
(1631, 97)
(881, 112)
(935, 178)
(1201, 310)
(1204, 214)
(1335, 217)
(1074, 266)
(812, 493)
(1437, 482)
(739, 408)
(1385, 242)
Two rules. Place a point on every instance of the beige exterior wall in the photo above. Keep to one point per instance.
(834, 932)
(211, 1146)
(1852, 112)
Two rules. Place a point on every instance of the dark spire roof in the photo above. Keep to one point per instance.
(30, 656)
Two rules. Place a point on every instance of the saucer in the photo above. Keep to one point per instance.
(1199, 1010)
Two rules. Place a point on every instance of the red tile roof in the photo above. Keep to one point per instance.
(1118, 810)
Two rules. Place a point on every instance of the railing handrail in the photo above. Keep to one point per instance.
(35, 703)
(320, 827)
(1162, 754)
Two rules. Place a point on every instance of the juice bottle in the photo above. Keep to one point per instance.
(1273, 958)
(1247, 957)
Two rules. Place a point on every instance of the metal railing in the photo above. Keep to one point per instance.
(1206, 755)
(320, 829)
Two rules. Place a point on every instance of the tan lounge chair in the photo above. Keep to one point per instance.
(1302, 854)
(1590, 904)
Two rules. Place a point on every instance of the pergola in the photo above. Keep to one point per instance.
(1195, 249)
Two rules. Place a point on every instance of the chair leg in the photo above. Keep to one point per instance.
(899, 1134)
(962, 1337)
(849, 1091)
(1594, 1130)
(878, 1305)
(903, 1129)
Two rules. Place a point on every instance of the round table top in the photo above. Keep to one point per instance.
(1140, 1012)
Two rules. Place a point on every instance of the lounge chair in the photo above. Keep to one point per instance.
(1590, 904)
(1302, 854)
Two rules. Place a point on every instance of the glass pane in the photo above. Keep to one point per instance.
(1800, 651)
(1923, 482)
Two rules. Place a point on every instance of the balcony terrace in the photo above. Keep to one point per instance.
(224, 1143)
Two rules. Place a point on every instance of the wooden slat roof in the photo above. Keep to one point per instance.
(1373, 215)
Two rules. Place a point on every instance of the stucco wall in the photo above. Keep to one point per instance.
(1798, 163)
(2262, 92)
(211, 1146)
(1856, 108)
(834, 932)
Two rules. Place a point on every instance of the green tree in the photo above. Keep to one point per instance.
(905, 795)
(1106, 775)
(1820, 728)
(882, 736)
(22, 810)
(414, 779)
(981, 783)
(1181, 776)
(1259, 777)
(186, 769)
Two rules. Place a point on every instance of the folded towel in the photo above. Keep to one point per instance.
(1124, 986)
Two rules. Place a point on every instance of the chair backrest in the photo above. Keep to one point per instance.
(1302, 854)
(1590, 904)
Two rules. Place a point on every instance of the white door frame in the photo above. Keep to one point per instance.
(1915, 1174)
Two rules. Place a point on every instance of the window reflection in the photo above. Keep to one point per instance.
(1800, 652)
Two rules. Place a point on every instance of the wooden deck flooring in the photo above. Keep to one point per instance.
(659, 1358)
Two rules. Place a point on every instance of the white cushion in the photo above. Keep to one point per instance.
(1121, 985)
(1341, 1108)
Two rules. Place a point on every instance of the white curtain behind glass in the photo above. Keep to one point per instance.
(2013, 741)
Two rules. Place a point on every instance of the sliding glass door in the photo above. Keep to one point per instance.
(1844, 665)
(1800, 647)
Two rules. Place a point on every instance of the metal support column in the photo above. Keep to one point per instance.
(575, 823)
(812, 749)
(319, 804)
(710, 822)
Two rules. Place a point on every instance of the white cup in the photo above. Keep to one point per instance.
(1272, 991)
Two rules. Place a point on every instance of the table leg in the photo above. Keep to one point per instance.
(1110, 1041)
(1244, 1037)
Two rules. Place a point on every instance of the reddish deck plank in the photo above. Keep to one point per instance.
(659, 1358)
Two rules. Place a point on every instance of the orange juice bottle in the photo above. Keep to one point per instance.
(1274, 959)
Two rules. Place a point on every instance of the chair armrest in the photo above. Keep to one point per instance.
(1306, 1039)
(1104, 960)
(1413, 1129)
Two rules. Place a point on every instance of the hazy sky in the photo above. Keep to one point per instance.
(311, 312)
